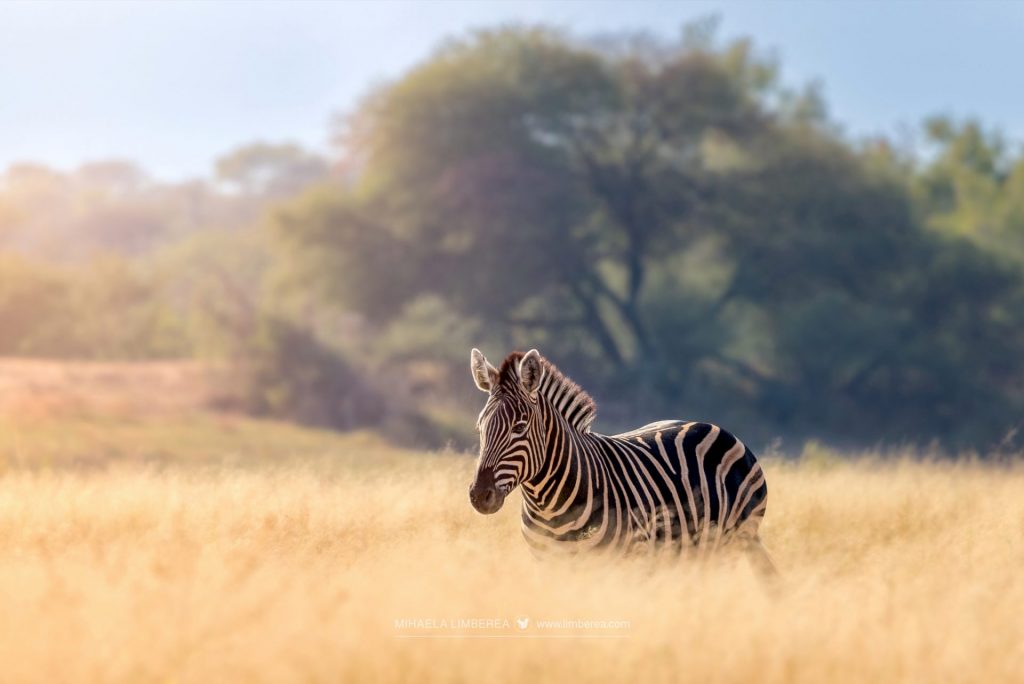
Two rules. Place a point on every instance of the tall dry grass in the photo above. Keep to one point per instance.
(890, 572)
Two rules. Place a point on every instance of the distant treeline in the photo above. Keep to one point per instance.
(669, 223)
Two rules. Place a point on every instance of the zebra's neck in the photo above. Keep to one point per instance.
(567, 495)
(568, 504)
(571, 458)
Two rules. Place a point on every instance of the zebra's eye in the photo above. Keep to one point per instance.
(519, 428)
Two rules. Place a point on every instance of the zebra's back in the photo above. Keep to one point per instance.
(690, 481)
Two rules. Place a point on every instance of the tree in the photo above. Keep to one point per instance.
(531, 180)
(275, 170)
(972, 186)
(697, 238)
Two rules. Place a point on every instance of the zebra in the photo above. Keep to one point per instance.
(686, 486)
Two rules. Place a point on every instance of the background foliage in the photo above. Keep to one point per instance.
(671, 224)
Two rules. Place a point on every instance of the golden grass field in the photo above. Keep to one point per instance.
(183, 546)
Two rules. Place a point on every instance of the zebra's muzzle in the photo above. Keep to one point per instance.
(484, 495)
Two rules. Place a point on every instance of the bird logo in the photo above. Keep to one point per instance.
(523, 622)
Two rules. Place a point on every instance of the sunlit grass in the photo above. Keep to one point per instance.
(181, 440)
(297, 565)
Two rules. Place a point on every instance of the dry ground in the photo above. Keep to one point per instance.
(261, 552)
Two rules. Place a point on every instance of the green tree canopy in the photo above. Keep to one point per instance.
(696, 237)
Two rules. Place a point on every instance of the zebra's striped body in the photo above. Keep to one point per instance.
(680, 485)
(667, 484)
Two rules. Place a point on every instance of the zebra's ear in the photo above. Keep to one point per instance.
(531, 372)
(484, 374)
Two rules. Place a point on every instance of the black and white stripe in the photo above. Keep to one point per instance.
(687, 486)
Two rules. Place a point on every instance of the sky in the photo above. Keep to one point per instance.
(174, 85)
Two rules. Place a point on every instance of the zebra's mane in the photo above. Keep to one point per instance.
(565, 396)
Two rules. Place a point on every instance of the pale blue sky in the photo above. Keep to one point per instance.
(173, 85)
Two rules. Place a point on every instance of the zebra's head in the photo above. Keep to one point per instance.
(510, 426)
